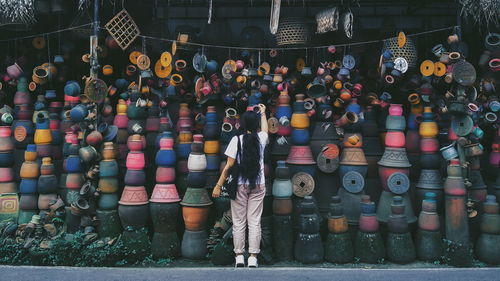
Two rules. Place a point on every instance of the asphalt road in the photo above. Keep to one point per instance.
(20, 273)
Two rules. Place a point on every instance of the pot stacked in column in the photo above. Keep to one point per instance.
(282, 210)
(413, 135)
(308, 245)
(372, 148)
(43, 134)
(300, 158)
(164, 203)
(47, 184)
(74, 181)
(353, 169)
(29, 174)
(196, 203)
(368, 246)
(152, 128)
(394, 166)
(429, 238)
(183, 146)
(488, 244)
(399, 243)
(211, 134)
(338, 248)
(22, 127)
(430, 179)
(8, 186)
(121, 121)
(57, 136)
(107, 204)
(280, 146)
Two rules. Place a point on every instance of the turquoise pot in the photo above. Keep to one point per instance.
(108, 201)
(282, 188)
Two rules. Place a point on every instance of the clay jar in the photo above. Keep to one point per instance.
(429, 145)
(135, 160)
(300, 136)
(166, 155)
(300, 119)
(108, 152)
(184, 110)
(135, 177)
(197, 144)
(197, 162)
(165, 174)
(45, 199)
(6, 175)
(136, 142)
(108, 168)
(164, 216)
(6, 143)
(211, 147)
(428, 127)
(282, 206)
(396, 109)
(195, 218)
(395, 139)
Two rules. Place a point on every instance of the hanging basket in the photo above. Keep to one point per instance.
(408, 51)
(123, 29)
(293, 32)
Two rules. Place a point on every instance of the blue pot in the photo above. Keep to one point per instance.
(166, 158)
(283, 111)
(77, 113)
(72, 88)
(213, 162)
(300, 136)
(135, 177)
(28, 186)
(7, 159)
(197, 179)
(121, 83)
(108, 168)
(47, 184)
(344, 169)
(412, 122)
(57, 137)
(211, 117)
(183, 150)
(211, 131)
(108, 201)
(212, 66)
(171, 91)
(73, 164)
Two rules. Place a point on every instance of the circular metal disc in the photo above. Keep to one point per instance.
(303, 184)
(462, 125)
(349, 62)
(398, 183)
(166, 59)
(143, 62)
(161, 71)
(464, 73)
(273, 125)
(427, 68)
(401, 64)
(439, 69)
(353, 182)
(401, 39)
(325, 164)
(199, 62)
(134, 56)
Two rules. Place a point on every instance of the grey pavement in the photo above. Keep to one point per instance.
(21, 273)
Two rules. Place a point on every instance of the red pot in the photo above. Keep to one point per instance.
(385, 172)
(284, 131)
(135, 160)
(74, 180)
(94, 138)
(6, 142)
(368, 223)
(153, 124)
(300, 155)
(395, 139)
(429, 145)
(182, 167)
(6, 175)
(165, 174)
(136, 142)
(396, 109)
(121, 121)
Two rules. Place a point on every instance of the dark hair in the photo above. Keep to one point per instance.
(250, 156)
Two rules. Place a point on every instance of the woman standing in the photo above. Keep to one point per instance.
(246, 208)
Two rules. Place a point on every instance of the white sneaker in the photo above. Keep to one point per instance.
(239, 261)
(252, 262)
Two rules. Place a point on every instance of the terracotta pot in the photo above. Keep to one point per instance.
(428, 129)
(164, 193)
(412, 142)
(8, 187)
(47, 184)
(27, 186)
(6, 174)
(108, 201)
(211, 146)
(136, 142)
(300, 155)
(28, 202)
(282, 206)
(6, 142)
(134, 195)
(396, 109)
(347, 119)
(108, 168)
(29, 170)
(195, 218)
(74, 180)
(165, 174)
(166, 157)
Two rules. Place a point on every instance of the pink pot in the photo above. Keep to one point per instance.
(412, 142)
(134, 195)
(164, 193)
(429, 145)
(14, 71)
(166, 143)
(136, 142)
(121, 121)
(6, 174)
(22, 98)
(395, 139)
(396, 109)
(165, 175)
(368, 223)
(135, 160)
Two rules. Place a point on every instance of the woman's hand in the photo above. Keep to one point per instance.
(262, 108)
(216, 192)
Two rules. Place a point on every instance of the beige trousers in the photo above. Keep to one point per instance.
(247, 209)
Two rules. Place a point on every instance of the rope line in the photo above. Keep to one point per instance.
(47, 33)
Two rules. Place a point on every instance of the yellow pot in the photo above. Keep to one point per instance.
(185, 137)
(107, 70)
(43, 136)
(428, 129)
(121, 107)
(211, 147)
(300, 121)
(29, 170)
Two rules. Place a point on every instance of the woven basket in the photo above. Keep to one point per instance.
(292, 32)
(408, 52)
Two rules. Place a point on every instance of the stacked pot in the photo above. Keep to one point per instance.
(107, 204)
(372, 149)
(211, 134)
(429, 238)
(43, 135)
(164, 203)
(8, 185)
(413, 135)
(57, 135)
(430, 179)
(121, 121)
(196, 203)
(282, 211)
(394, 166)
(28, 187)
(353, 170)
(308, 246)
(368, 245)
(152, 129)
(338, 248)
(22, 126)
(47, 185)
(399, 243)
(73, 169)
(300, 158)
(183, 147)
(487, 245)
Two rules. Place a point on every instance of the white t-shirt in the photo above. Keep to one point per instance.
(232, 150)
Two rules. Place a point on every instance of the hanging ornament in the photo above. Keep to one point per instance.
(348, 19)
(123, 29)
(18, 11)
(275, 16)
(327, 20)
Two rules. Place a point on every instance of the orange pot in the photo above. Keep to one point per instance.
(29, 170)
(108, 152)
(43, 136)
(195, 218)
(300, 121)
(108, 185)
(337, 225)
(211, 147)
